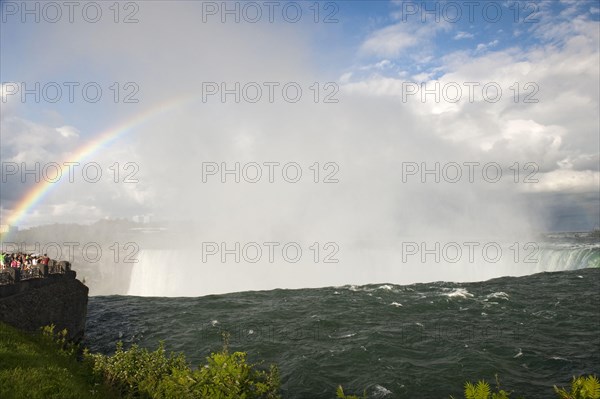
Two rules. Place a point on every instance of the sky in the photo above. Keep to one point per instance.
(513, 87)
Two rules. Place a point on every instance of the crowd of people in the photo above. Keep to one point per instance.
(23, 261)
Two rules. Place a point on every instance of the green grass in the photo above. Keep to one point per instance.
(32, 366)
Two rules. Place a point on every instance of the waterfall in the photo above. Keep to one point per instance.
(173, 273)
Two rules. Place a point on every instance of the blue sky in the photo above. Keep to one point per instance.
(372, 49)
(448, 27)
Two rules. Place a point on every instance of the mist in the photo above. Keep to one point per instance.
(366, 206)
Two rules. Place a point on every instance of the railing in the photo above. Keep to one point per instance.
(11, 275)
(61, 267)
(32, 272)
(7, 276)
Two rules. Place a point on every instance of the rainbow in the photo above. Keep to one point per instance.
(104, 139)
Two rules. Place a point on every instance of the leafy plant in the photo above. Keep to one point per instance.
(581, 388)
(138, 373)
(66, 347)
(342, 395)
(135, 372)
(482, 390)
(230, 376)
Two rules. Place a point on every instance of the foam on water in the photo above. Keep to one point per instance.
(459, 293)
(498, 295)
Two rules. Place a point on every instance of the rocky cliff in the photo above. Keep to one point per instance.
(58, 299)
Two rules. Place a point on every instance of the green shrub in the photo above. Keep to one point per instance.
(581, 388)
(342, 395)
(135, 373)
(65, 346)
(138, 373)
(482, 390)
(229, 376)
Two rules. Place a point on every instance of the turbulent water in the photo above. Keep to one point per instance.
(412, 341)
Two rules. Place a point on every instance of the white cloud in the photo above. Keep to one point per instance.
(7, 90)
(485, 46)
(393, 40)
(423, 76)
(463, 35)
(68, 131)
(380, 65)
(345, 78)
(390, 41)
(558, 133)
(384, 64)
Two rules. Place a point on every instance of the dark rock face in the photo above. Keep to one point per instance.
(60, 300)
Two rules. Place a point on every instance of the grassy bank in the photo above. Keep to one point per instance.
(32, 366)
(45, 365)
